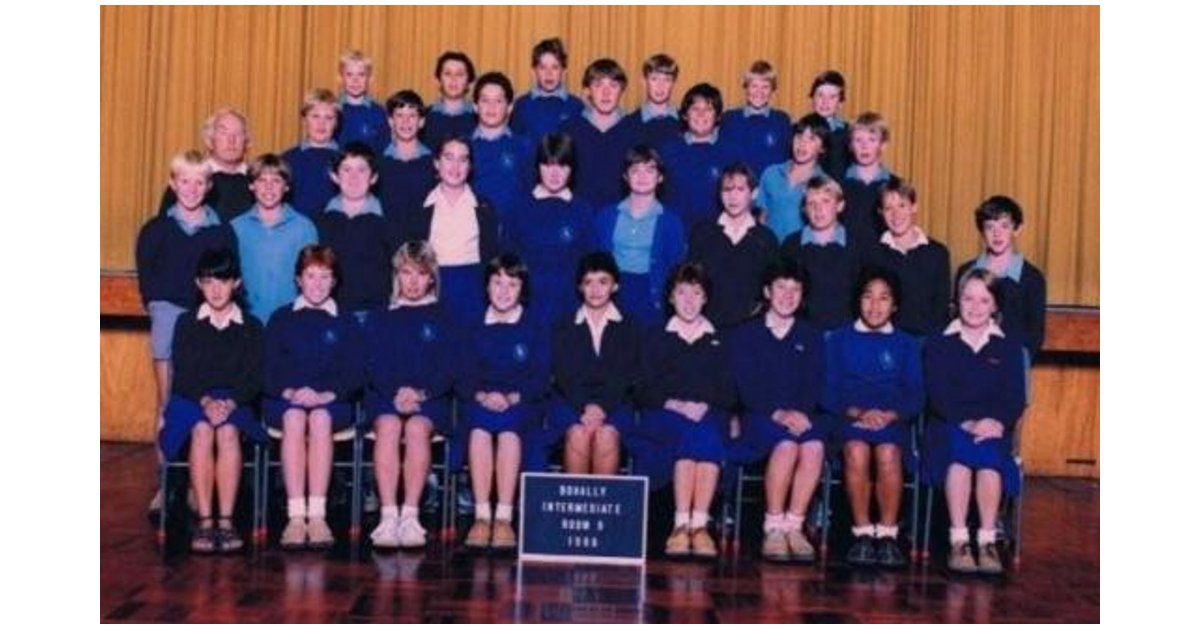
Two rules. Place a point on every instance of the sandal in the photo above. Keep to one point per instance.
(227, 536)
(204, 539)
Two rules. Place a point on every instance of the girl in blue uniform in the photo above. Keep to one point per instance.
(313, 369)
(779, 364)
(686, 390)
(553, 229)
(505, 376)
(411, 365)
(646, 239)
(218, 373)
(595, 362)
(874, 389)
(977, 393)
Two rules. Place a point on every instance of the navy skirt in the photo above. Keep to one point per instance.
(341, 412)
(898, 433)
(519, 418)
(562, 416)
(947, 443)
(437, 410)
(183, 414)
(760, 434)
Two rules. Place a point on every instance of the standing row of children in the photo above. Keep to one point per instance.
(451, 232)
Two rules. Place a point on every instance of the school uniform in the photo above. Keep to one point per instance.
(364, 247)
(506, 355)
(836, 156)
(763, 134)
(734, 268)
(464, 234)
(365, 122)
(411, 345)
(551, 233)
(654, 129)
(404, 183)
(316, 347)
(224, 363)
(594, 365)
(970, 383)
(537, 112)
(775, 374)
(781, 201)
(441, 123)
(268, 257)
(693, 175)
(502, 171)
(924, 273)
(228, 193)
(833, 269)
(646, 250)
(861, 212)
(672, 368)
(873, 370)
(312, 188)
(1023, 300)
(600, 157)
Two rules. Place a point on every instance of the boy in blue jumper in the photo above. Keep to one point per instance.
(602, 134)
(505, 375)
(411, 367)
(658, 118)
(735, 250)
(646, 238)
(548, 104)
(828, 94)
(864, 180)
(503, 161)
(976, 379)
(270, 235)
(353, 225)
(779, 364)
(451, 114)
(309, 162)
(362, 119)
(781, 189)
(552, 230)
(760, 130)
(406, 172)
(686, 391)
(831, 260)
(314, 369)
(1022, 285)
(218, 373)
(595, 362)
(874, 388)
(921, 263)
(694, 161)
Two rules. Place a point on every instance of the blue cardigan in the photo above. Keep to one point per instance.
(669, 248)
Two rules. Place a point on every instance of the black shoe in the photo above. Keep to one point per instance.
(889, 554)
(862, 553)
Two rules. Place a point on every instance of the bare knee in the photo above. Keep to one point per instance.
(227, 438)
(577, 438)
(887, 458)
(417, 431)
(858, 456)
(387, 429)
(607, 438)
(812, 454)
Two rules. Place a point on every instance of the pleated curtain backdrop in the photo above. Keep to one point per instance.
(981, 100)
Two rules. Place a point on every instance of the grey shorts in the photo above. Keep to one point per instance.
(163, 315)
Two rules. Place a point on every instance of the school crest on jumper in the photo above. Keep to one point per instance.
(428, 333)
(799, 347)
(330, 336)
(770, 139)
(566, 234)
(507, 161)
(887, 360)
(714, 173)
(520, 353)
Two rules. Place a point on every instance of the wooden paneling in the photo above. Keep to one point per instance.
(1060, 433)
(126, 386)
(1072, 330)
(981, 100)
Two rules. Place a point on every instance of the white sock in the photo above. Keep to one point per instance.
(408, 511)
(863, 530)
(793, 522)
(699, 520)
(316, 507)
(959, 536)
(887, 531)
(483, 511)
(504, 512)
(296, 508)
(985, 537)
(773, 523)
(389, 511)
(682, 519)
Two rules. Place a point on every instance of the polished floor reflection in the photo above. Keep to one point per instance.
(1059, 579)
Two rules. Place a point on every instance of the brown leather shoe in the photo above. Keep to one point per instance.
(960, 559)
(503, 536)
(479, 536)
(703, 545)
(679, 543)
(989, 560)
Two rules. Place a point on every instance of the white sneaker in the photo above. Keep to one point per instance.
(387, 534)
(410, 533)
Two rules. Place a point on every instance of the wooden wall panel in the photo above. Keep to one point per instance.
(126, 386)
(981, 100)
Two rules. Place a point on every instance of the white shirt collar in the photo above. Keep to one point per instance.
(402, 302)
(217, 167)
(436, 197)
(890, 241)
(540, 192)
(956, 328)
(329, 306)
(704, 327)
(861, 327)
(611, 314)
(206, 312)
(492, 316)
(736, 229)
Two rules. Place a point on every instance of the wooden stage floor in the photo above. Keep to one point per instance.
(1059, 578)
